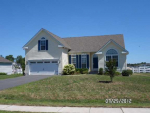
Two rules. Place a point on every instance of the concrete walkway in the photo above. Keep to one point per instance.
(73, 109)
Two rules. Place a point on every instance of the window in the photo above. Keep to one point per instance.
(47, 62)
(39, 62)
(112, 54)
(54, 62)
(84, 61)
(43, 44)
(73, 60)
(32, 62)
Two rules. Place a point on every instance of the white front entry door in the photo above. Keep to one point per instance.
(44, 68)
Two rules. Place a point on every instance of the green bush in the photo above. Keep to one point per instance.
(117, 73)
(101, 71)
(106, 73)
(125, 73)
(84, 71)
(81, 70)
(130, 72)
(69, 69)
(78, 71)
(1, 73)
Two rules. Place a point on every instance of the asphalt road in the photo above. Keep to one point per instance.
(12, 82)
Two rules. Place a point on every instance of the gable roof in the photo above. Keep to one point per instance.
(92, 43)
(60, 40)
(3, 60)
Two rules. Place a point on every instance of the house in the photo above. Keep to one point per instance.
(5, 66)
(47, 53)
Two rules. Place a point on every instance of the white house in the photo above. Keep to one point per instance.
(5, 66)
(47, 54)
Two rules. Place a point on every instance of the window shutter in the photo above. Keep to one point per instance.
(39, 44)
(76, 61)
(46, 44)
(69, 59)
(79, 61)
(88, 61)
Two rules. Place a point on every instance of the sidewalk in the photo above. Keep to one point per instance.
(73, 109)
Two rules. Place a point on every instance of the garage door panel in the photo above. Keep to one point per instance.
(46, 68)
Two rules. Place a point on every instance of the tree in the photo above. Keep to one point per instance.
(111, 68)
(20, 60)
(10, 57)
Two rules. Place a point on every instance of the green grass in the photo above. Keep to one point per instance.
(10, 76)
(84, 90)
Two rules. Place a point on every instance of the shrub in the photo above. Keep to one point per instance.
(78, 71)
(69, 69)
(130, 72)
(106, 73)
(1, 73)
(101, 71)
(125, 73)
(84, 71)
(117, 73)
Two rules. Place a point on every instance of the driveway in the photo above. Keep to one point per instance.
(12, 82)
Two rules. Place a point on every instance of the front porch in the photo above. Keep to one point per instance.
(85, 60)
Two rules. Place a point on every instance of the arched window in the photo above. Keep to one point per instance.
(112, 54)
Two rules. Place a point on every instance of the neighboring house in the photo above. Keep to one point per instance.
(47, 54)
(17, 68)
(143, 68)
(5, 66)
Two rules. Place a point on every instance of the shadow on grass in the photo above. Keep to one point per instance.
(104, 81)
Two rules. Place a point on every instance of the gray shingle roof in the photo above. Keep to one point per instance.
(3, 60)
(92, 43)
(59, 39)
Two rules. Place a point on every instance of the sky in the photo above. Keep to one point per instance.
(20, 20)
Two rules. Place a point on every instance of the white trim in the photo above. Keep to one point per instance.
(99, 53)
(60, 46)
(114, 43)
(123, 52)
(25, 48)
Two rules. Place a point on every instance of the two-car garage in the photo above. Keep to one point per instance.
(47, 67)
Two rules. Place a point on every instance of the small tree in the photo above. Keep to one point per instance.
(111, 68)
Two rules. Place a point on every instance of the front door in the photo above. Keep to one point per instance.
(95, 61)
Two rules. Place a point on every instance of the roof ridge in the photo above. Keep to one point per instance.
(91, 36)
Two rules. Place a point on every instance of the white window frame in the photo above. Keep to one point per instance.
(74, 56)
(42, 39)
(111, 55)
(81, 59)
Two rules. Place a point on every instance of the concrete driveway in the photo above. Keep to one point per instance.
(12, 82)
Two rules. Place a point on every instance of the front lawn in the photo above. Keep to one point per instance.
(10, 76)
(82, 90)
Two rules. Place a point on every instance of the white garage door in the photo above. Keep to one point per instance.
(44, 68)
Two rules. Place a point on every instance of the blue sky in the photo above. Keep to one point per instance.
(21, 19)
